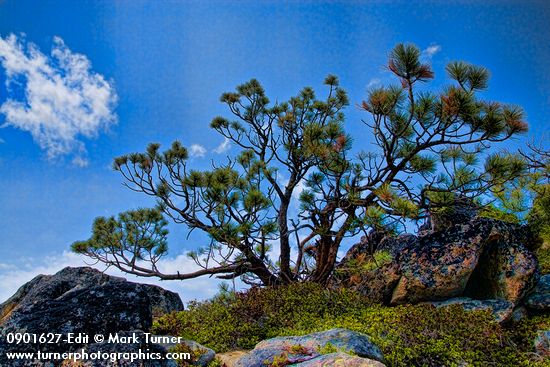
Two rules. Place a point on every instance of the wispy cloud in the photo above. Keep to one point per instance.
(431, 50)
(197, 150)
(80, 161)
(61, 100)
(374, 82)
(298, 189)
(223, 147)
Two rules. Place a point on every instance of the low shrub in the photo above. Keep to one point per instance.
(241, 320)
(419, 335)
(543, 256)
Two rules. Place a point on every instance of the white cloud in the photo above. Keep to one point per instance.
(374, 82)
(62, 102)
(223, 147)
(4, 266)
(300, 187)
(80, 161)
(431, 50)
(197, 150)
(13, 276)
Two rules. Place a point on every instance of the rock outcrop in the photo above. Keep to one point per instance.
(339, 360)
(306, 350)
(80, 300)
(501, 309)
(468, 256)
(201, 355)
(542, 343)
(539, 299)
(229, 359)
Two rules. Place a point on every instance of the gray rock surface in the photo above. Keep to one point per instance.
(542, 343)
(298, 349)
(339, 360)
(539, 299)
(230, 358)
(501, 309)
(80, 300)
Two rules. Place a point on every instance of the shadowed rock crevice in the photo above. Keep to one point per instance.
(483, 283)
(504, 271)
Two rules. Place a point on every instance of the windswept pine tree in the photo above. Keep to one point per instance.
(429, 148)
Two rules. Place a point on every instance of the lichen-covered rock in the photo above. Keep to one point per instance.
(367, 244)
(437, 266)
(377, 283)
(100, 302)
(502, 310)
(80, 300)
(201, 354)
(339, 360)
(229, 359)
(474, 257)
(539, 299)
(295, 349)
(463, 210)
(542, 343)
(162, 301)
(284, 355)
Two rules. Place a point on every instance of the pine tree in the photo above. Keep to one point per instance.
(430, 148)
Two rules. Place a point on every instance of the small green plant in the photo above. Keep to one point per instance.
(543, 256)
(380, 258)
(216, 363)
(278, 361)
(299, 349)
(493, 212)
(327, 349)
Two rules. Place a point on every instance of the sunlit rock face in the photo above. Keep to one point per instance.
(461, 256)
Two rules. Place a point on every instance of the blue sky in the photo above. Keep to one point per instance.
(161, 66)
